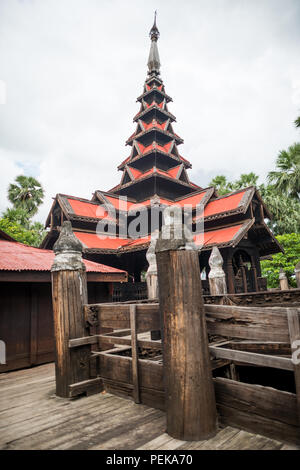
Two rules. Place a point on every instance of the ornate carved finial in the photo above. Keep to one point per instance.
(154, 33)
(153, 60)
(174, 234)
(216, 276)
(215, 262)
(68, 250)
(151, 275)
(282, 274)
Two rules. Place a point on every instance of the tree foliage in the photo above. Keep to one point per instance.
(26, 193)
(26, 196)
(286, 177)
(286, 260)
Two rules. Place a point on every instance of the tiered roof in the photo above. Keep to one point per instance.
(156, 173)
(154, 154)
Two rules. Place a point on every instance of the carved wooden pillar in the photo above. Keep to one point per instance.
(297, 274)
(69, 293)
(254, 273)
(230, 274)
(216, 276)
(243, 271)
(189, 391)
(283, 281)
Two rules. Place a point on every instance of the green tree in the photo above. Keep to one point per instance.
(286, 177)
(285, 210)
(27, 193)
(30, 236)
(223, 186)
(286, 260)
(297, 122)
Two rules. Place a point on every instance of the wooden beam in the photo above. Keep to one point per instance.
(246, 357)
(294, 330)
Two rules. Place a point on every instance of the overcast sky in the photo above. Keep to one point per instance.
(72, 70)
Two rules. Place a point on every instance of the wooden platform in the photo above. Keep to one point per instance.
(32, 417)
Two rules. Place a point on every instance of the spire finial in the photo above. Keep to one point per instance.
(153, 61)
(154, 33)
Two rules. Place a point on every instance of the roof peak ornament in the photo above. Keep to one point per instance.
(153, 60)
(154, 33)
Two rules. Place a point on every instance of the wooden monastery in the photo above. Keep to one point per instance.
(154, 176)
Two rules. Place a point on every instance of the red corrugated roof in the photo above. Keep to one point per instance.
(91, 240)
(15, 256)
(223, 204)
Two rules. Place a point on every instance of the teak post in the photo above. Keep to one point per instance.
(189, 390)
(297, 274)
(69, 293)
(283, 281)
(294, 330)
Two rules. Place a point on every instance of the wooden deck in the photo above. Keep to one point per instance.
(32, 417)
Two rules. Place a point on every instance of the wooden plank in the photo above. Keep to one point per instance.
(263, 360)
(258, 323)
(293, 315)
(112, 315)
(74, 343)
(135, 354)
(89, 387)
(33, 324)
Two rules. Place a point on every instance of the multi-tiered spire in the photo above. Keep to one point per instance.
(154, 166)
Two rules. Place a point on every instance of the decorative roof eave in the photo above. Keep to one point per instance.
(158, 175)
(273, 239)
(235, 240)
(240, 209)
(154, 89)
(140, 114)
(173, 136)
(266, 210)
(154, 150)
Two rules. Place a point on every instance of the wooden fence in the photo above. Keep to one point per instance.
(254, 336)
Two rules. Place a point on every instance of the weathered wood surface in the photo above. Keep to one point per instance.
(190, 400)
(257, 323)
(69, 293)
(135, 354)
(254, 407)
(263, 360)
(294, 329)
(33, 418)
(285, 298)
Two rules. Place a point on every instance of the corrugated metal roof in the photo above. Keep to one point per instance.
(15, 256)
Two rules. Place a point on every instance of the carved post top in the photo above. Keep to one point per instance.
(215, 262)
(68, 251)
(297, 267)
(150, 254)
(174, 235)
(282, 274)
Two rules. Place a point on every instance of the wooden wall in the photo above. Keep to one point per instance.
(26, 321)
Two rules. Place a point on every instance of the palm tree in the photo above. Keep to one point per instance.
(287, 176)
(284, 209)
(297, 122)
(221, 184)
(26, 194)
(246, 179)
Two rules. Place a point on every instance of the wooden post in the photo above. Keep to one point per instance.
(216, 276)
(135, 355)
(69, 293)
(297, 274)
(189, 390)
(294, 330)
(283, 281)
(151, 277)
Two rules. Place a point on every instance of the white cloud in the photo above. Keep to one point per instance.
(73, 70)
